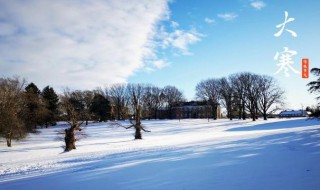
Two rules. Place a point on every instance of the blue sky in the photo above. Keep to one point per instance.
(89, 44)
(245, 43)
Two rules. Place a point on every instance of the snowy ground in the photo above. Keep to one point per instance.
(191, 154)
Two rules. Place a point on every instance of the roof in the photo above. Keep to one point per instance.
(293, 112)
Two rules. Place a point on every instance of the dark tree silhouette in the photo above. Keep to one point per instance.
(314, 86)
(34, 109)
(100, 107)
(51, 100)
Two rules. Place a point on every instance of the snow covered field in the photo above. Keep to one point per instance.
(191, 154)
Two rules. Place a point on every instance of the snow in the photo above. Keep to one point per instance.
(191, 154)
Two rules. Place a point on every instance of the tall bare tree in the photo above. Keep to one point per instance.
(269, 94)
(227, 95)
(209, 91)
(11, 109)
(119, 100)
(152, 100)
(239, 93)
(135, 94)
(172, 97)
(252, 92)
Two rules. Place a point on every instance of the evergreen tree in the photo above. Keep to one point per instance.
(314, 86)
(33, 109)
(51, 101)
(100, 107)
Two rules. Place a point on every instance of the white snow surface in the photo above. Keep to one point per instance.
(190, 154)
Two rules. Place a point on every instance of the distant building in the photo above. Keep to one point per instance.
(194, 109)
(293, 113)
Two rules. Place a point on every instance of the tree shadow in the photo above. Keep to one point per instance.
(285, 124)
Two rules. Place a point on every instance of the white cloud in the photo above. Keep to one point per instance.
(209, 20)
(81, 44)
(182, 39)
(228, 16)
(258, 5)
(160, 64)
(174, 24)
(178, 39)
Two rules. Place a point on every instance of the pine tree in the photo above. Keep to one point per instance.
(33, 109)
(314, 86)
(51, 101)
(100, 107)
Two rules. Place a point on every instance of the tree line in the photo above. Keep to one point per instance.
(242, 94)
(23, 107)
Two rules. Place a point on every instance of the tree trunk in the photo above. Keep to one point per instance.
(229, 113)
(70, 139)
(265, 116)
(137, 126)
(253, 115)
(138, 133)
(214, 112)
(9, 138)
(243, 113)
(118, 115)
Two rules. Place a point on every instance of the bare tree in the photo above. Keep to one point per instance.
(119, 100)
(75, 115)
(270, 94)
(239, 93)
(11, 109)
(152, 100)
(227, 95)
(172, 96)
(86, 97)
(209, 91)
(135, 94)
(252, 92)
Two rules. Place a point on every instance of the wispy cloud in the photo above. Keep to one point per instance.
(209, 20)
(258, 5)
(228, 16)
(174, 24)
(81, 44)
(160, 64)
(180, 40)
